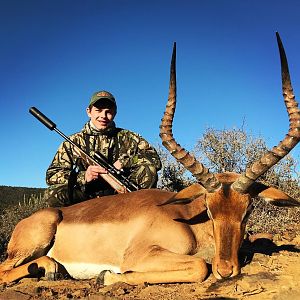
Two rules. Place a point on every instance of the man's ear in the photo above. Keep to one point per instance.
(273, 195)
(187, 195)
(88, 111)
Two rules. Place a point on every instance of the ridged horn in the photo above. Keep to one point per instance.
(209, 181)
(292, 138)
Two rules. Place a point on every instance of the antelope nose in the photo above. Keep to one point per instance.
(225, 269)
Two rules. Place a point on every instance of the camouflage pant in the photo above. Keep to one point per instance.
(144, 176)
(59, 195)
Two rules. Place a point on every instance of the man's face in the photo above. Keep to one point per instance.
(101, 115)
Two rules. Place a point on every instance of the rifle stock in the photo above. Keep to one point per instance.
(114, 177)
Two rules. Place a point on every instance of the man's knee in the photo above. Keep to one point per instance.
(145, 177)
(59, 195)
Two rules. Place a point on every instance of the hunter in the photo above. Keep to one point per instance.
(72, 180)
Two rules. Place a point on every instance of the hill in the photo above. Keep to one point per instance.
(10, 195)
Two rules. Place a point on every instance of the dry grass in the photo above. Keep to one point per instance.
(266, 218)
(12, 215)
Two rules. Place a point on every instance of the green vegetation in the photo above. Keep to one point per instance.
(16, 203)
(10, 196)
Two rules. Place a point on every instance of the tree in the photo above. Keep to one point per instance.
(233, 150)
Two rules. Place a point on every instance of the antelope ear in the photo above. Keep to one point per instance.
(187, 195)
(277, 197)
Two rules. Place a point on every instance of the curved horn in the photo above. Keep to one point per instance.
(291, 139)
(209, 181)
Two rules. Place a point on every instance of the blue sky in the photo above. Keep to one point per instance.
(55, 54)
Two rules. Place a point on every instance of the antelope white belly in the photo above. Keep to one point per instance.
(81, 270)
(87, 270)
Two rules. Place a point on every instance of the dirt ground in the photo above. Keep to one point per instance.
(271, 271)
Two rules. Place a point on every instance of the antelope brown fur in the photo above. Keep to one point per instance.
(153, 235)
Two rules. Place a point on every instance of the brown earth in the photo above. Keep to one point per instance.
(271, 271)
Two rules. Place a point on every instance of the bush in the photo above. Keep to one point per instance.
(173, 176)
(13, 214)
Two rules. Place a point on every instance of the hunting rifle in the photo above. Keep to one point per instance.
(113, 177)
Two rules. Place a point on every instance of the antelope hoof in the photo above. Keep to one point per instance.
(54, 276)
(100, 279)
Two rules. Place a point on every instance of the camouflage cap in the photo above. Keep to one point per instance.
(102, 95)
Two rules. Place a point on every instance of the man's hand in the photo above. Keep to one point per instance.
(118, 165)
(93, 172)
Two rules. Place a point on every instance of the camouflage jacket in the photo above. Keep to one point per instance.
(139, 160)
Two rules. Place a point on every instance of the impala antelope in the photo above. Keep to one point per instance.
(143, 236)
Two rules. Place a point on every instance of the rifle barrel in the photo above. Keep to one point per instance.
(42, 118)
